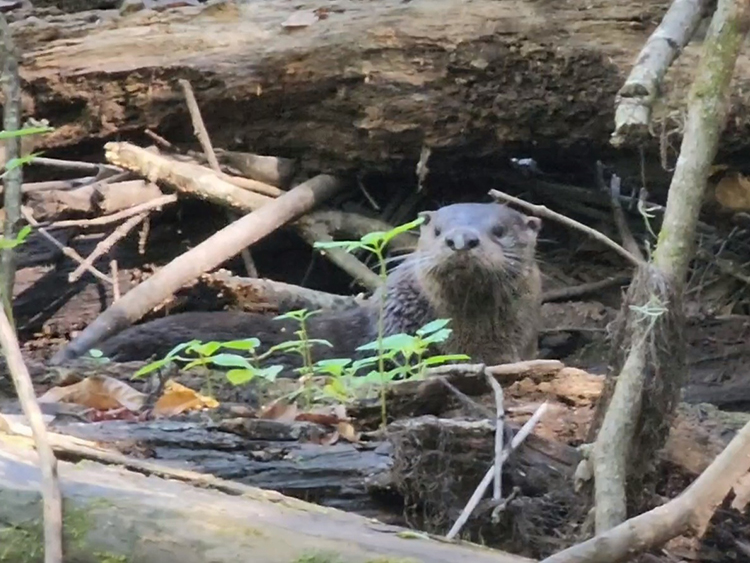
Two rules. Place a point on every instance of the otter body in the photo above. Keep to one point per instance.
(474, 264)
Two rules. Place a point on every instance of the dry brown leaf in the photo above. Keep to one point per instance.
(279, 410)
(347, 431)
(177, 399)
(99, 392)
(328, 415)
(733, 192)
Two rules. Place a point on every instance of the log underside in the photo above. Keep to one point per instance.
(366, 87)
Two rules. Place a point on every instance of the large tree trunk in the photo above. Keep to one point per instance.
(369, 84)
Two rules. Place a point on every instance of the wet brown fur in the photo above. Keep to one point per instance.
(491, 293)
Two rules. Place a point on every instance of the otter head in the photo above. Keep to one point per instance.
(475, 247)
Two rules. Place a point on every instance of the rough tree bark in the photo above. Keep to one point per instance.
(649, 345)
(369, 85)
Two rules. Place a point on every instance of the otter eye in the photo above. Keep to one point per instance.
(498, 231)
(437, 231)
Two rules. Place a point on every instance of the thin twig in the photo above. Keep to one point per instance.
(75, 165)
(114, 217)
(583, 289)
(543, 211)
(497, 492)
(613, 191)
(143, 236)
(115, 279)
(66, 250)
(477, 496)
(53, 550)
(199, 128)
(106, 245)
(465, 399)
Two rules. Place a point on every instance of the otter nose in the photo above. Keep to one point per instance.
(463, 239)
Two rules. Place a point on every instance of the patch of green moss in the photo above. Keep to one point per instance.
(106, 557)
(319, 557)
(24, 542)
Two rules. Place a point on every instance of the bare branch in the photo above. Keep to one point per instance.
(641, 89)
(543, 211)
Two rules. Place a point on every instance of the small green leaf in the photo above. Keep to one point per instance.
(270, 373)
(400, 342)
(180, 347)
(284, 346)
(333, 367)
(25, 132)
(297, 315)
(433, 326)
(20, 161)
(240, 376)
(247, 344)
(439, 336)
(95, 353)
(437, 360)
(153, 366)
(373, 239)
(229, 361)
(23, 233)
(208, 348)
(402, 229)
(197, 362)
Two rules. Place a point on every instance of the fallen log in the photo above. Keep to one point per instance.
(361, 83)
(115, 512)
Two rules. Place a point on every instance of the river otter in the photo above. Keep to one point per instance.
(474, 264)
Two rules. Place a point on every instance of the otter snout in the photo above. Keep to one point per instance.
(462, 239)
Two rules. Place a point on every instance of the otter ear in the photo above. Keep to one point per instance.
(426, 215)
(534, 223)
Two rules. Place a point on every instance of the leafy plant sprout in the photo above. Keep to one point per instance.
(376, 243)
(404, 353)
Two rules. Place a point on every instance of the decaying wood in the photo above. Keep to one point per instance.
(349, 87)
(94, 199)
(271, 170)
(641, 402)
(636, 98)
(122, 508)
(200, 259)
(256, 294)
(202, 182)
(152, 204)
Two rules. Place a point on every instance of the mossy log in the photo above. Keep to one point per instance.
(113, 514)
(365, 85)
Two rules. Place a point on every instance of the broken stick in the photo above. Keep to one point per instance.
(641, 89)
(212, 252)
(690, 511)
